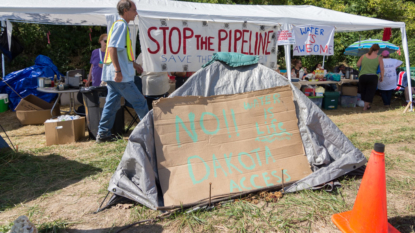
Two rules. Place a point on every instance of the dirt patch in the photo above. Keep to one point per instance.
(75, 204)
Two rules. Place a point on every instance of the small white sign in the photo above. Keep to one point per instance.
(285, 37)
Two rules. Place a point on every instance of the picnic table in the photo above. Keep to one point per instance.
(55, 91)
(341, 82)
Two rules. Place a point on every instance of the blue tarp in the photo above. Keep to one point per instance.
(3, 144)
(24, 81)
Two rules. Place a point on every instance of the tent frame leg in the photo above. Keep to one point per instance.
(407, 64)
(3, 67)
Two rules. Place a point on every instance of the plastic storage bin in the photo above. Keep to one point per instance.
(348, 101)
(317, 100)
(331, 100)
(93, 111)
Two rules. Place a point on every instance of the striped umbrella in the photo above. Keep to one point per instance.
(361, 47)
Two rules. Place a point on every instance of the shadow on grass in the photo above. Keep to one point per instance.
(25, 177)
(142, 228)
(377, 107)
(405, 224)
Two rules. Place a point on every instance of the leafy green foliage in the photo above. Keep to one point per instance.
(71, 47)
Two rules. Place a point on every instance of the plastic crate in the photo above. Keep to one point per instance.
(348, 101)
(317, 100)
(331, 100)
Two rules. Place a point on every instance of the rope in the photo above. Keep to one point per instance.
(12, 89)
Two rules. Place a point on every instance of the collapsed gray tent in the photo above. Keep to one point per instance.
(328, 150)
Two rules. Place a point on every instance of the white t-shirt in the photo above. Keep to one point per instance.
(389, 77)
(154, 83)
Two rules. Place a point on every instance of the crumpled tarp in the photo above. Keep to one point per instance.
(233, 59)
(24, 81)
(328, 150)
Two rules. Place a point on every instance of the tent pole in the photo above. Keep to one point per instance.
(3, 67)
(287, 49)
(324, 58)
(288, 60)
(407, 64)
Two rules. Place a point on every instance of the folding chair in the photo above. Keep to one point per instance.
(402, 82)
(137, 82)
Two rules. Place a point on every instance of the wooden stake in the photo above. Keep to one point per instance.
(407, 107)
(210, 193)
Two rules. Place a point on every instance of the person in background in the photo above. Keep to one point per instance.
(368, 79)
(318, 66)
(155, 84)
(277, 69)
(388, 84)
(97, 57)
(407, 93)
(341, 69)
(181, 78)
(118, 72)
(297, 65)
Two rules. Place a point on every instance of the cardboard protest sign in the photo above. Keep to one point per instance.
(181, 45)
(313, 40)
(285, 37)
(238, 142)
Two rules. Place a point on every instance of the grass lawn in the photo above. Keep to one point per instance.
(59, 187)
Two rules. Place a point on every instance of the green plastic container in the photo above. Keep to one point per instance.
(4, 102)
(331, 100)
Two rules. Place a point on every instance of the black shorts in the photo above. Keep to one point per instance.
(367, 85)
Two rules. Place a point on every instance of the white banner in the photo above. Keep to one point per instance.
(181, 45)
(285, 37)
(314, 40)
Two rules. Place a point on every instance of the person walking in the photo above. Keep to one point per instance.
(118, 71)
(368, 79)
(97, 58)
(388, 84)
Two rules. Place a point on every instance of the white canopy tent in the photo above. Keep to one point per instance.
(98, 12)
(270, 14)
(59, 12)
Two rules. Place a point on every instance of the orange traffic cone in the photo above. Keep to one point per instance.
(369, 212)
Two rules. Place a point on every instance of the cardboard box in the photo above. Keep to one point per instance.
(64, 132)
(34, 111)
(36, 117)
(32, 102)
(236, 142)
(349, 90)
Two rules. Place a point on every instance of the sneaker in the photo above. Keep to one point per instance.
(111, 138)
